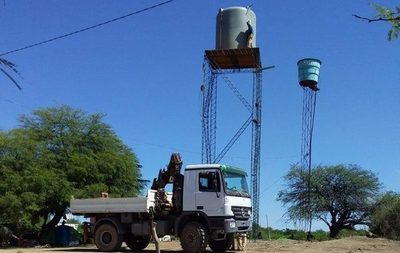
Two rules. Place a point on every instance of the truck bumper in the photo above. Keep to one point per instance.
(236, 226)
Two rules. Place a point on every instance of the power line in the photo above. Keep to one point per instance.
(269, 186)
(87, 28)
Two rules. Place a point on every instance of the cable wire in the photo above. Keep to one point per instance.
(87, 28)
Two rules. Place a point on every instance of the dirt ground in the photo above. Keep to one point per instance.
(355, 244)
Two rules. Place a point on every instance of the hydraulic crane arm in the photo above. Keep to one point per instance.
(168, 175)
(172, 174)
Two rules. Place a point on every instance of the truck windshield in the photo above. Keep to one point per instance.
(235, 181)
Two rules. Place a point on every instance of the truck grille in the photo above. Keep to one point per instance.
(241, 212)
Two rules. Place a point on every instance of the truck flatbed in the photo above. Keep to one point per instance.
(110, 205)
(114, 205)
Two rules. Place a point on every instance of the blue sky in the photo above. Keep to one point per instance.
(144, 73)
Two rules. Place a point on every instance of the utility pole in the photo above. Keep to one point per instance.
(268, 228)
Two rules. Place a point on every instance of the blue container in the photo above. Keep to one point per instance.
(63, 235)
(309, 72)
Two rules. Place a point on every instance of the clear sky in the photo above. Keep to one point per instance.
(144, 73)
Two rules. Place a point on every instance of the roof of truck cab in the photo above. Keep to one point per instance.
(223, 167)
(202, 166)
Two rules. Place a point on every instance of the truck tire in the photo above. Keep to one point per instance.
(221, 245)
(107, 238)
(193, 238)
(137, 242)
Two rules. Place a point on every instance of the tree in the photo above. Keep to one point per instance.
(386, 216)
(58, 153)
(341, 196)
(18, 205)
(389, 15)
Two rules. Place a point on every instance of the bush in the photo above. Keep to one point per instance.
(293, 234)
(386, 216)
(319, 235)
(351, 232)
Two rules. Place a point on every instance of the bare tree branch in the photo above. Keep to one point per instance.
(370, 20)
(324, 220)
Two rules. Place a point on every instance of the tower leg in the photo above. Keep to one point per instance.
(209, 114)
(256, 148)
(309, 103)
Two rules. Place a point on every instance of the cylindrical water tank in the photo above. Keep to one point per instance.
(308, 69)
(234, 25)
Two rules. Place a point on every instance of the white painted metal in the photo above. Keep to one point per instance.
(113, 205)
(212, 202)
(235, 201)
(189, 187)
(203, 166)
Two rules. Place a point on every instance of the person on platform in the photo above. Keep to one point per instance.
(249, 34)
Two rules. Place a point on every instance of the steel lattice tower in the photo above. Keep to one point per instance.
(218, 64)
(309, 103)
(308, 79)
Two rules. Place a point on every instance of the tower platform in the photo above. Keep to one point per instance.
(240, 58)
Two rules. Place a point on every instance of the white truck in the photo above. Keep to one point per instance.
(207, 206)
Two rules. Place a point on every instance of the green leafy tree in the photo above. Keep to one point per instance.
(58, 153)
(386, 216)
(18, 206)
(385, 14)
(341, 196)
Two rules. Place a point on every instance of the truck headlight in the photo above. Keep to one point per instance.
(232, 224)
(249, 212)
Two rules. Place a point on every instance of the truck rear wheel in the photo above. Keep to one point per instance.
(221, 245)
(193, 238)
(137, 242)
(107, 238)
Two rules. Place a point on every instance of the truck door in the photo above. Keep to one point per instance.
(209, 197)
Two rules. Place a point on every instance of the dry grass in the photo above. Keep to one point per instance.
(355, 244)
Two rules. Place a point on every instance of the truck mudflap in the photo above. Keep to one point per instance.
(236, 226)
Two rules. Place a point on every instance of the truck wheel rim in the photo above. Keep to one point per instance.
(106, 237)
(190, 239)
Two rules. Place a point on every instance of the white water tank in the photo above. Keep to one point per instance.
(233, 28)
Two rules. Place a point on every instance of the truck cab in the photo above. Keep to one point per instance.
(220, 193)
(217, 199)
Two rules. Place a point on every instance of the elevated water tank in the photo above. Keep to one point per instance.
(234, 25)
(308, 70)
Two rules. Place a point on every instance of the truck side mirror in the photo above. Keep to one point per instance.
(215, 178)
(215, 182)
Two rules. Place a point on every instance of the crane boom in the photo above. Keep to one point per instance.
(172, 174)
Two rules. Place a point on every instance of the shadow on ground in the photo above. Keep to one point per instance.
(121, 250)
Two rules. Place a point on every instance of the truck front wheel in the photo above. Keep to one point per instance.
(137, 242)
(222, 245)
(107, 238)
(193, 238)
